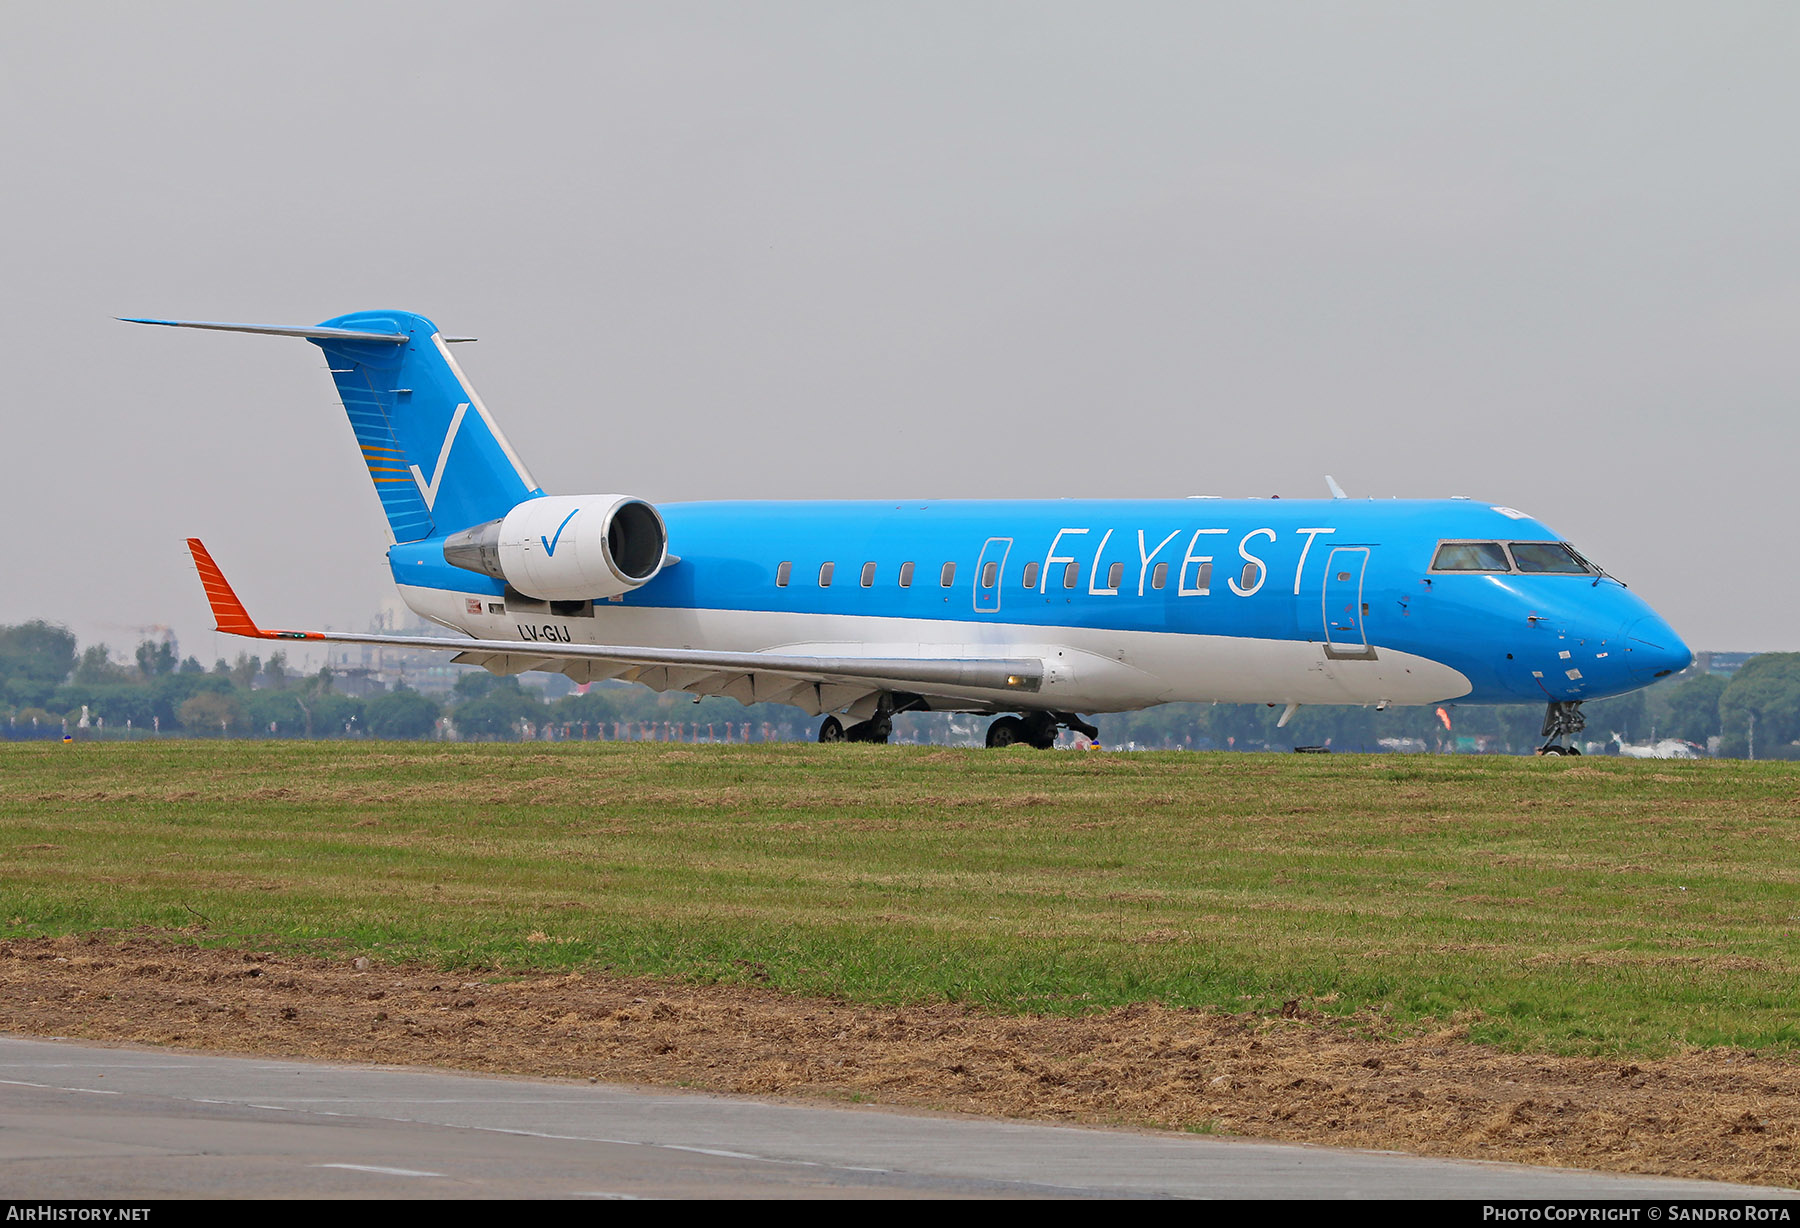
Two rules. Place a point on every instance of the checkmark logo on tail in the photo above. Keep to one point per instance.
(550, 542)
(429, 490)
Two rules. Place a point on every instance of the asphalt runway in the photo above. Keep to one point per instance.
(79, 1121)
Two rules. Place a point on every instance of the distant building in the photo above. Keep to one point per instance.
(369, 669)
(1725, 664)
(372, 669)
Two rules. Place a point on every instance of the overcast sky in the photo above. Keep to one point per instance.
(1545, 255)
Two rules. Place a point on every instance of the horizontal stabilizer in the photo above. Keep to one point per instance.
(312, 332)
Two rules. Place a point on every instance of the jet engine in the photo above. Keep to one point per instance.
(567, 547)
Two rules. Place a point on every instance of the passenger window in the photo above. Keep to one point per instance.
(1114, 574)
(1031, 575)
(906, 570)
(1071, 575)
(1159, 575)
(990, 573)
(1249, 578)
(825, 570)
(1470, 556)
(868, 575)
(783, 573)
(1203, 575)
(947, 577)
(1552, 558)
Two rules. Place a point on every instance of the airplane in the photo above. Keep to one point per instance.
(1033, 611)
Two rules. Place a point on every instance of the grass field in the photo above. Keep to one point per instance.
(1593, 906)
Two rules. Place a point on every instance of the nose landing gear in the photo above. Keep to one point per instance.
(1562, 719)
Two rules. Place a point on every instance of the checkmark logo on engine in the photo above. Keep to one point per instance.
(550, 542)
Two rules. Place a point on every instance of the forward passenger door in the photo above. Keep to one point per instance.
(1346, 638)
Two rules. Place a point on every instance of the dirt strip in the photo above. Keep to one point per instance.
(1712, 1113)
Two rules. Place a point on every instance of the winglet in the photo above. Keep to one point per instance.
(228, 611)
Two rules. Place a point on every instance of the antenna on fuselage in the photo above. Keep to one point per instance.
(1337, 492)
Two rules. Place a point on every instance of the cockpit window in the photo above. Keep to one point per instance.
(1525, 558)
(1471, 556)
(1553, 557)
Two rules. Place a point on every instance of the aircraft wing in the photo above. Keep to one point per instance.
(815, 683)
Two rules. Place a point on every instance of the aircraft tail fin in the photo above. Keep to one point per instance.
(438, 460)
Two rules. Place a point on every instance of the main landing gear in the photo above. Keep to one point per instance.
(1037, 729)
(1563, 719)
(876, 729)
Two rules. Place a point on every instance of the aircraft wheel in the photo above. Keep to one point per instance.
(831, 731)
(875, 731)
(1007, 731)
(1573, 750)
(1547, 751)
(1039, 730)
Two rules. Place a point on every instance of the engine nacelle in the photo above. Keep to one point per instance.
(567, 547)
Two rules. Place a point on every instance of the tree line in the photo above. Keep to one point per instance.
(47, 682)
(48, 687)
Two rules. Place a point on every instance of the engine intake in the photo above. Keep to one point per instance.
(567, 547)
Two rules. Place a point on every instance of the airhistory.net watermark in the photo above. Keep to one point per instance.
(62, 1213)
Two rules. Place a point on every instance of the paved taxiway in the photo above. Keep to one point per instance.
(78, 1121)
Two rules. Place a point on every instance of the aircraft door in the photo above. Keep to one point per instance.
(990, 571)
(1345, 637)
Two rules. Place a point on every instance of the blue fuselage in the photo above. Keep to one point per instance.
(1354, 578)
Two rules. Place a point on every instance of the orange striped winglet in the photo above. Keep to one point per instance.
(228, 611)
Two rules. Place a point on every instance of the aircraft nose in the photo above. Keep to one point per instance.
(1654, 650)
